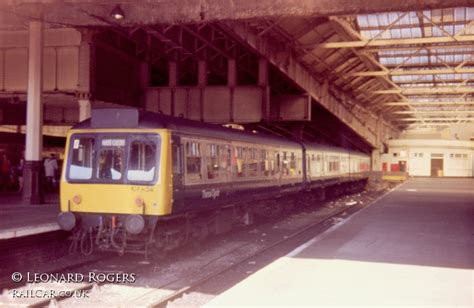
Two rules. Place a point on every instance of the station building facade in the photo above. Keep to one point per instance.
(438, 158)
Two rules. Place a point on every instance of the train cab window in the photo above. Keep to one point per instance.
(82, 157)
(193, 161)
(142, 161)
(110, 164)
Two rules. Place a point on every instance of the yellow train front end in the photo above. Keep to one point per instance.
(114, 185)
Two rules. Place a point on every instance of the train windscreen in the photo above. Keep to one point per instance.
(113, 159)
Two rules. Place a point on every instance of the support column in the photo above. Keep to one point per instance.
(263, 83)
(202, 82)
(231, 73)
(202, 73)
(84, 109)
(86, 85)
(173, 82)
(262, 72)
(144, 82)
(376, 163)
(231, 83)
(86, 62)
(172, 74)
(33, 169)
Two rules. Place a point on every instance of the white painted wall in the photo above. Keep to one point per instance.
(60, 60)
(458, 156)
(216, 103)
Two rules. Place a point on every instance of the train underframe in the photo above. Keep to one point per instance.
(155, 236)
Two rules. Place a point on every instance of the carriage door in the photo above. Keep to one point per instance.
(177, 169)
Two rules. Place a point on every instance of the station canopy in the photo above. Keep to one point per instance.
(415, 68)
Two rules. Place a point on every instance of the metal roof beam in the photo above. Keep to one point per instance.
(434, 119)
(374, 49)
(431, 103)
(400, 72)
(439, 112)
(392, 42)
(421, 91)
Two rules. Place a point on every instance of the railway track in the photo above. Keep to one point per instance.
(163, 302)
(163, 294)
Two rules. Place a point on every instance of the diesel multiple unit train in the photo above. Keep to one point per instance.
(142, 182)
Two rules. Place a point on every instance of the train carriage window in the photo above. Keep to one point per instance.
(193, 161)
(278, 161)
(82, 158)
(270, 162)
(239, 161)
(292, 164)
(213, 157)
(285, 164)
(299, 163)
(226, 161)
(308, 164)
(264, 163)
(142, 161)
(252, 162)
(318, 163)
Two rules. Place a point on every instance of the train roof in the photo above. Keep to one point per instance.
(329, 148)
(116, 118)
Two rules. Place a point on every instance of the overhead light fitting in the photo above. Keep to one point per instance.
(117, 13)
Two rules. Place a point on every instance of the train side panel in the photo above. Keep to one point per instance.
(216, 172)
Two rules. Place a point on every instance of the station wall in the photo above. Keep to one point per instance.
(60, 59)
(214, 104)
(449, 158)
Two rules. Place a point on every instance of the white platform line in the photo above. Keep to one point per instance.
(319, 237)
(25, 231)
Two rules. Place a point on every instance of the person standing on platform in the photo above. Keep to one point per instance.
(50, 169)
(5, 173)
(21, 164)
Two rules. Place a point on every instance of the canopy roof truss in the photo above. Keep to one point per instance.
(415, 67)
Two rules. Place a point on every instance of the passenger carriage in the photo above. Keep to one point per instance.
(133, 180)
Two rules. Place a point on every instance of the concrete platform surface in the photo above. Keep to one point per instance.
(17, 219)
(413, 247)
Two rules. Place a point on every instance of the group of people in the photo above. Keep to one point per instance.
(11, 176)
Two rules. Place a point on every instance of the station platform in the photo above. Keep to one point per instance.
(18, 220)
(413, 247)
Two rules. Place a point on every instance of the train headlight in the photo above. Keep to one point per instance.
(77, 199)
(139, 201)
(134, 224)
(67, 221)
